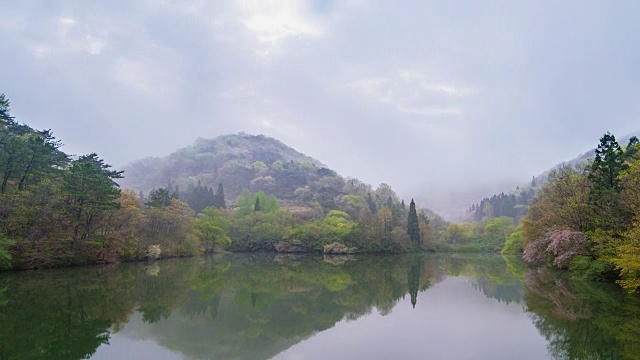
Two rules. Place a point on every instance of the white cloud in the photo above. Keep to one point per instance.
(413, 91)
(272, 22)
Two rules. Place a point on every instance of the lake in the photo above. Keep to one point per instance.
(263, 306)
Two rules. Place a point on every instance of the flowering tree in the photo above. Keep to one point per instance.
(560, 243)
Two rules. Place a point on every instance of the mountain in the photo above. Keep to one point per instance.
(239, 162)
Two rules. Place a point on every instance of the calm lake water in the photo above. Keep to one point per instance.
(238, 306)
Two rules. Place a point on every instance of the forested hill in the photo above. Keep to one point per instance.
(515, 203)
(239, 161)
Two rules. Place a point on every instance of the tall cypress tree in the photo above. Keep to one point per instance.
(413, 229)
(219, 198)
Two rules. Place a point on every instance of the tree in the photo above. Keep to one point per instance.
(562, 201)
(413, 227)
(89, 190)
(41, 158)
(632, 148)
(5, 117)
(604, 194)
(261, 200)
(219, 198)
(608, 163)
(170, 227)
(245, 204)
(120, 230)
(211, 227)
(160, 197)
(372, 205)
(271, 204)
(561, 244)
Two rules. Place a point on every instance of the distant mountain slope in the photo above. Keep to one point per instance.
(516, 202)
(238, 161)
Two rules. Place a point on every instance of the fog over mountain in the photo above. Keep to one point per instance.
(444, 101)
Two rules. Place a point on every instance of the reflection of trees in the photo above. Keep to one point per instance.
(490, 274)
(60, 315)
(413, 281)
(583, 320)
(254, 306)
(565, 304)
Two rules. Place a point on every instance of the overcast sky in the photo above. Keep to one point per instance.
(431, 97)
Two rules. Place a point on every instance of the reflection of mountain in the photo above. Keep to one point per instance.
(266, 306)
(256, 306)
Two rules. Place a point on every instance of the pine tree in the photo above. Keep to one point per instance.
(219, 198)
(604, 194)
(89, 190)
(413, 228)
(632, 148)
(256, 208)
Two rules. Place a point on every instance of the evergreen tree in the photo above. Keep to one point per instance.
(413, 228)
(256, 208)
(402, 205)
(89, 189)
(160, 197)
(219, 198)
(5, 117)
(608, 163)
(631, 149)
(604, 194)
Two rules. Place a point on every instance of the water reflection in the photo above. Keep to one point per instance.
(258, 306)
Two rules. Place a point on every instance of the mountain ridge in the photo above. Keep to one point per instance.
(228, 159)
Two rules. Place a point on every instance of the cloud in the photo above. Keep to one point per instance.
(463, 94)
(414, 92)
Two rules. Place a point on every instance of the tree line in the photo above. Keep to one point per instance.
(63, 210)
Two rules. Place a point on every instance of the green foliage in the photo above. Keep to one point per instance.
(89, 189)
(515, 242)
(604, 192)
(211, 229)
(245, 204)
(62, 212)
(170, 227)
(600, 205)
(160, 197)
(413, 228)
(5, 256)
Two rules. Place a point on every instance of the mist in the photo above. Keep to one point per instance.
(446, 102)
